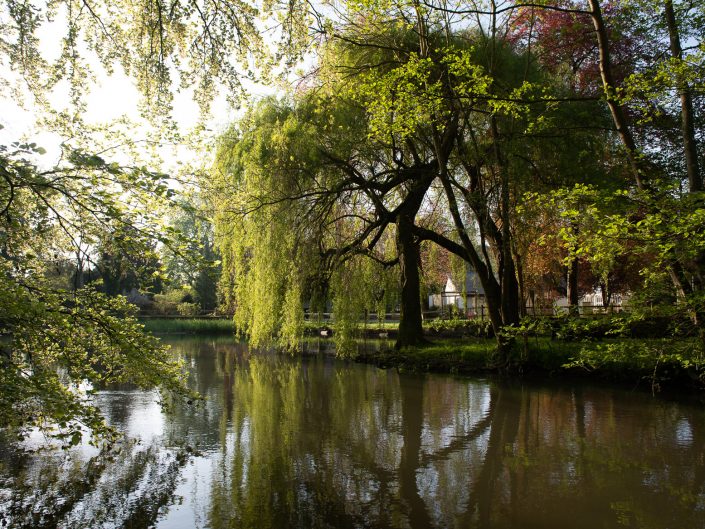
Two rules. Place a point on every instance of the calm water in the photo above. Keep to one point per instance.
(314, 442)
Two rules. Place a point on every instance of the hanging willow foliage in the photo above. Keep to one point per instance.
(292, 229)
(359, 286)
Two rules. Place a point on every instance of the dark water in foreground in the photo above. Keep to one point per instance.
(313, 442)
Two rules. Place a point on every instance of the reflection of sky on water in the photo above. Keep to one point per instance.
(684, 433)
(191, 509)
(137, 413)
(290, 442)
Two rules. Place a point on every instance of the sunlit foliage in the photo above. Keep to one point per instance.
(63, 340)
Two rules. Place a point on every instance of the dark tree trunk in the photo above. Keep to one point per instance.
(572, 294)
(606, 295)
(520, 285)
(690, 145)
(503, 240)
(510, 294)
(410, 318)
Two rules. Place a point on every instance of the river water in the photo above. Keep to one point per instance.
(311, 441)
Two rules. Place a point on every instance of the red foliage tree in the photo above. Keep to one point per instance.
(564, 42)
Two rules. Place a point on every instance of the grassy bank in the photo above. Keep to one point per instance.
(188, 325)
(653, 364)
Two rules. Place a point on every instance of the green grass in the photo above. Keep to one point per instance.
(655, 363)
(474, 352)
(188, 326)
(446, 355)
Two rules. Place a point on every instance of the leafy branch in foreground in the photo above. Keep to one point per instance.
(61, 340)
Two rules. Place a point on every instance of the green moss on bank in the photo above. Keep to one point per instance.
(454, 356)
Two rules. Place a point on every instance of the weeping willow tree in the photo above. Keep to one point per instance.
(294, 227)
(341, 176)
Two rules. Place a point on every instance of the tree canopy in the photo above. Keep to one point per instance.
(210, 46)
(478, 117)
(64, 340)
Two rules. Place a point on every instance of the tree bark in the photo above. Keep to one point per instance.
(410, 317)
(510, 293)
(509, 285)
(687, 115)
(572, 294)
(690, 146)
(618, 115)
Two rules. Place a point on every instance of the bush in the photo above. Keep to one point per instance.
(571, 328)
(658, 361)
(176, 301)
(474, 328)
(188, 309)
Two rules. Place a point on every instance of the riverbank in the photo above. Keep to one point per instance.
(651, 364)
(654, 364)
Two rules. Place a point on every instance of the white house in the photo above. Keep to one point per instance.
(471, 298)
(590, 302)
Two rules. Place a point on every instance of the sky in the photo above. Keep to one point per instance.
(111, 98)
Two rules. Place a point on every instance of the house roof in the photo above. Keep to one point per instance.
(472, 284)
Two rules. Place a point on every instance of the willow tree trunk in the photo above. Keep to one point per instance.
(410, 317)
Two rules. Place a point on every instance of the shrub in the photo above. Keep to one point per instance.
(176, 301)
(659, 361)
(475, 328)
(636, 325)
(188, 309)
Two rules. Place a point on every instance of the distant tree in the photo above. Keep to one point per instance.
(121, 270)
(195, 261)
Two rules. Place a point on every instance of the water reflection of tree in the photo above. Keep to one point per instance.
(412, 426)
(128, 488)
(308, 442)
(315, 444)
(588, 458)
